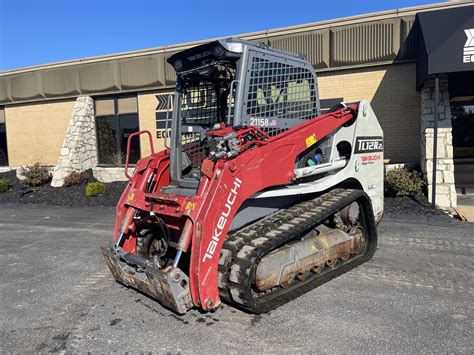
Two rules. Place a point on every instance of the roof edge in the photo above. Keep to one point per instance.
(248, 36)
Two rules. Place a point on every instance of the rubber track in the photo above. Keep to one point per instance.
(243, 250)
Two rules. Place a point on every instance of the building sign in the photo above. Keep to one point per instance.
(468, 54)
(163, 114)
(446, 42)
(164, 110)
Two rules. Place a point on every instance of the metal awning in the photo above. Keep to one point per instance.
(446, 42)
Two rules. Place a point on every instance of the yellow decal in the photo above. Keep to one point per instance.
(311, 140)
(190, 206)
(131, 197)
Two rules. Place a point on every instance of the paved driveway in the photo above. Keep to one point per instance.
(416, 294)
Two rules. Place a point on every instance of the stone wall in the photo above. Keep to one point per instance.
(445, 188)
(79, 150)
(110, 174)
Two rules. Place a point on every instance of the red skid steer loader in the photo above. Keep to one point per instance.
(258, 197)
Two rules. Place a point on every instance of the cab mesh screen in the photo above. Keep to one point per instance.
(278, 90)
(205, 103)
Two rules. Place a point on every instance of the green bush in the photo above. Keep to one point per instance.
(76, 178)
(402, 182)
(36, 174)
(4, 185)
(95, 189)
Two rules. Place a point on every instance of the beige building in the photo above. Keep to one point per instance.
(88, 107)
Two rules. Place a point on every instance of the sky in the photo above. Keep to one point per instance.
(36, 32)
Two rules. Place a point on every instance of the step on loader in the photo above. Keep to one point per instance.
(259, 196)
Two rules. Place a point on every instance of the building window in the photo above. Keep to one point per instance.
(116, 120)
(3, 139)
(463, 129)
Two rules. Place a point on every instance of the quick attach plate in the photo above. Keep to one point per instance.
(169, 286)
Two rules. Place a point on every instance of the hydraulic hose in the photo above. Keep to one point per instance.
(163, 227)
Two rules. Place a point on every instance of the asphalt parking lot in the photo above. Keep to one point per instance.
(415, 295)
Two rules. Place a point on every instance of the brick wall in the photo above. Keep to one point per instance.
(391, 90)
(35, 132)
(146, 112)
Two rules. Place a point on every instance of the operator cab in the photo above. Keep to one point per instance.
(235, 82)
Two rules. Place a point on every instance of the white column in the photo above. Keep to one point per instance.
(445, 188)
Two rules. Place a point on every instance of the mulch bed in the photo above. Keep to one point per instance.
(75, 196)
(411, 205)
(60, 196)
